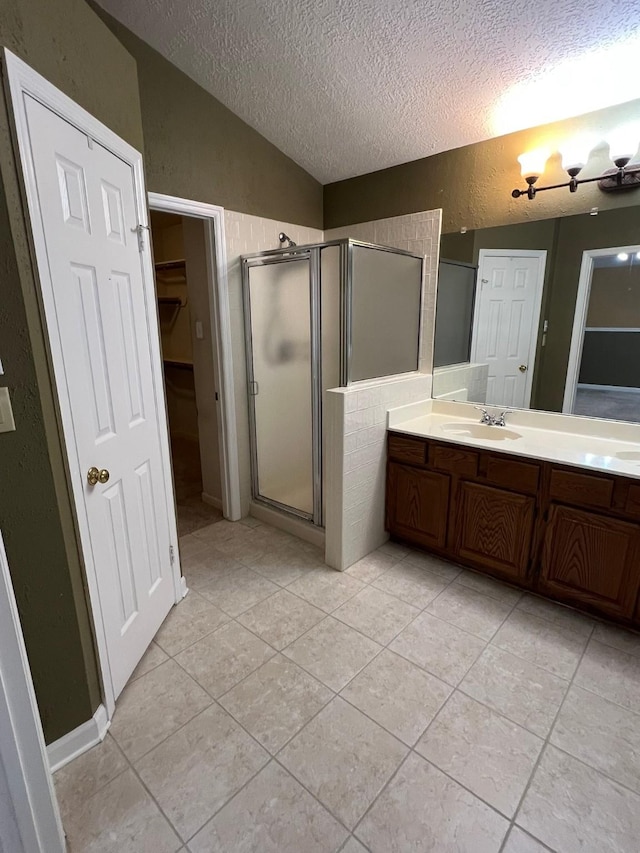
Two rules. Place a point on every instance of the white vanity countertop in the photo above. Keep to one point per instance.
(610, 446)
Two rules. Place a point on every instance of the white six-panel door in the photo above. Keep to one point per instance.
(87, 205)
(505, 326)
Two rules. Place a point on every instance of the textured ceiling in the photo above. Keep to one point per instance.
(346, 87)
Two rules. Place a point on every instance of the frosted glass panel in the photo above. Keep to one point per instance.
(385, 313)
(281, 341)
(330, 335)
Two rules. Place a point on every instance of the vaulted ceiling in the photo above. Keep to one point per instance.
(346, 87)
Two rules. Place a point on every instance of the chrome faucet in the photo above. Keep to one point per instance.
(493, 420)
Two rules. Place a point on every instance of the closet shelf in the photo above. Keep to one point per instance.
(183, 365)
(169, 300)
(170, 265)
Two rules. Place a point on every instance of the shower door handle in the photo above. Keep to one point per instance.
(254, 388)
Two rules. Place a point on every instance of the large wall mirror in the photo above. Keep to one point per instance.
(543, 315)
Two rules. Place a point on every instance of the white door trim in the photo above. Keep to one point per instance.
(21, 81)
(220, 320)
(22, 749)
(541, 254)
(580, 318)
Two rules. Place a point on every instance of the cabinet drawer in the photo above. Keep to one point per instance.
(518, 476)
(407, 449)
(632, 506)
(581, 489)
(453, 460)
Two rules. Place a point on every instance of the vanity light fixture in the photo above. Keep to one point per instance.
(623, 144)
(622, 256)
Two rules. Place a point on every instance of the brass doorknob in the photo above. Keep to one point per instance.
(95, 475)
(523, 368)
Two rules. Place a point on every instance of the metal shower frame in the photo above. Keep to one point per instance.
(312, 253)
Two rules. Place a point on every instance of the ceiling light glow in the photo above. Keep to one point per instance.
(597, 79)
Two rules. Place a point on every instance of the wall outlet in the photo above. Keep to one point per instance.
(7, 424)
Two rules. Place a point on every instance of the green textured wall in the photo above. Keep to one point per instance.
(69, 45)
(473, 184)
(198, 149)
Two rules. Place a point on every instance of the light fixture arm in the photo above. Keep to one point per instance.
(620, 178)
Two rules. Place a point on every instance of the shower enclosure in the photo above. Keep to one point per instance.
(318, 317)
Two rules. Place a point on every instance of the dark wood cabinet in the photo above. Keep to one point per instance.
(591, 559)
(418, 504)
(569, 534)
(493, 529)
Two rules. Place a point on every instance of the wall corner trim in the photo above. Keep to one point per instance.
(79, 740)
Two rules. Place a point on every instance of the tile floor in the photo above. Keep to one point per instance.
(193, 513)
(405, 705)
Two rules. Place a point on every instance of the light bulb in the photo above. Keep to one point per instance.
(624, 141)
(575, 152)
(638, 255)
(533, 162)
(622, 256)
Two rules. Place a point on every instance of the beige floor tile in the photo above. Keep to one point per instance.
(187, 622)
(121, 818)
(413, 584)
(377, 614)
(235, 590)
(372, 566)
(573, 808)
(206, 565)
(446, 570)
(189, 546)
(611, 673)
(155, 705)
(152, 658)
(333, 652)
(281, 619)
(488, 754)
(86, 775)
(353, 846)
(282, 566)
(519, 842)
(325, 588)
(442, 649)
(519, 690)
(601, 734)
(553, 646)
(618, 638)
(557, 613)
(467, 609)
(393, 549)
(488, 586)
(424, 810)
(273, 814)
(218, 532)
(198, 769)
(398, 695)
(343, 758)
(276, 701)
(222, 659)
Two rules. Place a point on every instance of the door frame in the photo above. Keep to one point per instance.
(22, 748)
(220, 321)
(541, 255)
(580, 318)
(21, 81)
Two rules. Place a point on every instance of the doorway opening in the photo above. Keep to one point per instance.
(187, 342)
(603, 376)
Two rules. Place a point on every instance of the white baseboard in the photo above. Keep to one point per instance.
(183, 586)
(73, 744)
(209, 499)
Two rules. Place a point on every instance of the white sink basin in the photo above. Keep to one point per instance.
(629, 455)
(483, 431)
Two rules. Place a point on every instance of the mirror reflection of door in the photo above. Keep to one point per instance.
(603, 379)
(505, 325)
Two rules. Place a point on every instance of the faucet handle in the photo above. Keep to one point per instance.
(500, 420)
(486, 417)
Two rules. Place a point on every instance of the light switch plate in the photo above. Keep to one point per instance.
(7, 424)
(199, 330)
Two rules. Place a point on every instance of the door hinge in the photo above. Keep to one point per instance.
(139, 230)
(172, 554)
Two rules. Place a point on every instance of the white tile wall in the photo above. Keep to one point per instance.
(472, 377)
(244, 235)
(356, 463)
(418, 233)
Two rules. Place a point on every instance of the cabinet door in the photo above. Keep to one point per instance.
(592, 559)
(494, 529)
(417, 504)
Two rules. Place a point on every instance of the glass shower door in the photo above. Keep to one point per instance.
(278, 319)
